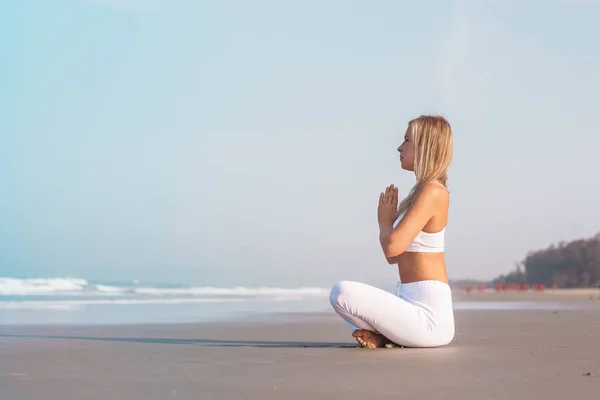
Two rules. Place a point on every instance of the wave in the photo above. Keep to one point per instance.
(68, 286)
(235, 291)
(70, 304)
(14, 286)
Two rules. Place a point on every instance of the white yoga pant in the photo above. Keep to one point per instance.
(418, 314)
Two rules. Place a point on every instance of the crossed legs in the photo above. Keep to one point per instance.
(378, 317)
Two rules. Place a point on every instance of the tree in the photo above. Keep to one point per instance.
(568, 264)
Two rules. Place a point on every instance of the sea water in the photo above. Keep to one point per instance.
(70, 300)
(67, 300)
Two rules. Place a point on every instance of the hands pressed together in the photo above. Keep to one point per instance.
(388, 206)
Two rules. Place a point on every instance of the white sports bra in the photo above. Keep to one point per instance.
(426, 242)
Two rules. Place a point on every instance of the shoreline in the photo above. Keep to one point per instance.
(274, 317)
(578, 294)
(190, 313)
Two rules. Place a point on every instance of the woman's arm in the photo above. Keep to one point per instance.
(395, 241)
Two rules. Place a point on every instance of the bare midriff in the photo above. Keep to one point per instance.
(414, 267)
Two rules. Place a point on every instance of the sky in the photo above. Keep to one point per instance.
(234, 142)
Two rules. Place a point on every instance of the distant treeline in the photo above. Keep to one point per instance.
(568, 265)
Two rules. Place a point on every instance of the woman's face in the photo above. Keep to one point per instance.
(407, 152)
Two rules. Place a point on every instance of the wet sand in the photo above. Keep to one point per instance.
(495, 355)
(564, 295)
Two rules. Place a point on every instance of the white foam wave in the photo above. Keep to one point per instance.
(111, 289)
(80, 287)
(235, 291)
(71, 304)
(13, 286)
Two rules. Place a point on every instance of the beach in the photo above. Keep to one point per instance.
(547, 295)
(496, 354)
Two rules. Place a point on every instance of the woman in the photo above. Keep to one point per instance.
(419, 313)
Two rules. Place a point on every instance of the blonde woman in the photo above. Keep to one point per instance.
(419, 313)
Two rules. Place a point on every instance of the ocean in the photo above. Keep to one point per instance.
(69, 300)
(79, 301)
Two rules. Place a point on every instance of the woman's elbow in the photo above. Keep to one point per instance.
(391, 248)
(392, 260)
(392, 253)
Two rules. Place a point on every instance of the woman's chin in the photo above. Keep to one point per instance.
(406, 167)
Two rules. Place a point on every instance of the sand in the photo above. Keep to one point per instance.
(495, 355)
(562, 295)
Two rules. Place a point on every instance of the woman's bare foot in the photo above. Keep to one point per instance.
(370, 339)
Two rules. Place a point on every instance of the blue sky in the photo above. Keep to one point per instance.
(226, 142)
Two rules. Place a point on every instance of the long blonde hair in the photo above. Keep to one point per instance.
(432, 136)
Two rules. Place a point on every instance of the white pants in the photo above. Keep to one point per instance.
(418, 314)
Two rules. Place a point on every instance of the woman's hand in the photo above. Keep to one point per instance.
(388, 207)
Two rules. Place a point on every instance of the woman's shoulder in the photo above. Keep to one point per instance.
(434, 196)
(435, 190)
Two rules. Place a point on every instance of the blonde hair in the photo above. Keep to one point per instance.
(432, 136)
